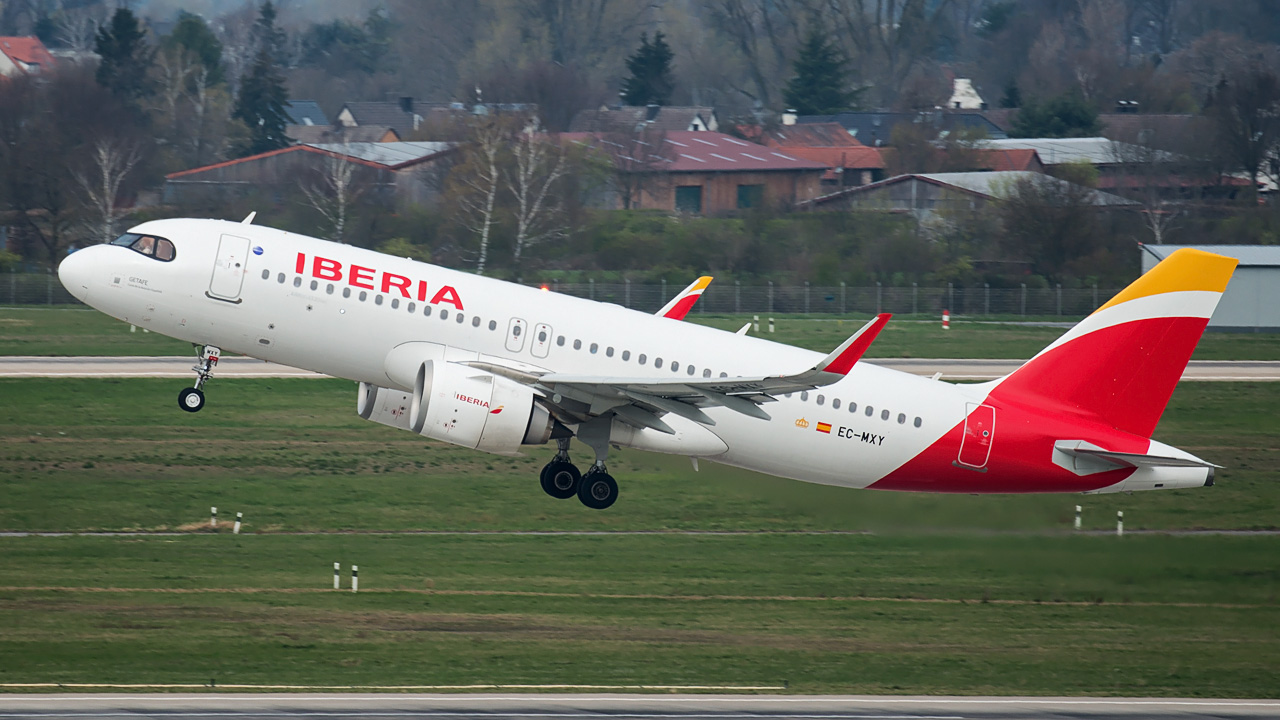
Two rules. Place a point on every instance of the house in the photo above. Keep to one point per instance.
(875, 129)
(662, 118)
(964, 96)
(702, 172)
(305, 112)
(926, 194)
(395, 174)
(1251, 302)
(407, 116)
(338, 134)
(849, 162)
(24, 56)
(401, 115)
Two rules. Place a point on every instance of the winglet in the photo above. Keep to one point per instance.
(681, 304)
(842, 359)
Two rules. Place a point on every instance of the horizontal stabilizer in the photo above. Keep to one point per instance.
(1085, 458)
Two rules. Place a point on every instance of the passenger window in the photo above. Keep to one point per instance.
(804, 396)
(444, 314)
(315, 284)
(363, 295)
(594, 348)
(377, 299)
(884, 414)
(266, 274)
(426, 310)
(870, 411)
(493, 324)
(626, 355)
(411, 307)
(329, 289)
(835, 403)
(724, 374)
(395, 303)
(675, 366)
(917, 422)
(706, 373)
(297, 282)
(657, 362)
(577, 344)
(853, 407)
(280, 278)
(542, 336)
(642, 358)
(608, 352)
(346, 292)
(461, 318)
(560, 341)
(786, 395)
(902, 419)
(821, 399)
(475, 321)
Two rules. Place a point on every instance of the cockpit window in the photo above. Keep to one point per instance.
(149, 245)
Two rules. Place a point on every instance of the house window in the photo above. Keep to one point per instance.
(689, 199)
(750, 196)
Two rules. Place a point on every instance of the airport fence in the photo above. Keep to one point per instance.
(25, 288)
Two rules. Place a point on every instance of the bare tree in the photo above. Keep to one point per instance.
(1245, 108)
(477, 180)
(333, 190)
(538, 166)
(173, 69)
(637, 163)
(112, 161)
(77, 29)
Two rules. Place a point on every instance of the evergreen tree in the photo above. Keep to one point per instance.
(126, 57)
(1068, 115)
(820, 85)
(651, 82)
(267, 35)
(194, 36)
(260, 104)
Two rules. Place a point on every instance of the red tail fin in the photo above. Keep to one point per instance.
(1122, 363)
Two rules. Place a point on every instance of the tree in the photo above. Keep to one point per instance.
(650, 82)
(537, 169)
(126, 57)
(1051, 222)
(260, 104)
(193, 36)
(1245, 109)
(476, 181)
(112, 161)
(1068, 115)
(332, 191)
(820, 86)
(637, 163)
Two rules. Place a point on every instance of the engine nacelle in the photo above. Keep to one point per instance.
(476, 409)
(384, 405)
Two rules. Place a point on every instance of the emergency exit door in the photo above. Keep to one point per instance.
(229, 268)
(979, 431)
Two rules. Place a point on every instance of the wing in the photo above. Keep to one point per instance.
(681, 304)
(642, 401)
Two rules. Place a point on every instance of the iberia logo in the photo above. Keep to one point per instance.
(496, 410)
(802, 423)
(824, 428)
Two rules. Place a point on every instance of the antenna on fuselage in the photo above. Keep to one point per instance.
(249, 218)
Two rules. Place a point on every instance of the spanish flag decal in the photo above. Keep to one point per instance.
(824, 428)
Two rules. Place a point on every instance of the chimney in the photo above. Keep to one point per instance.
(406, 103)
(789, 116)
(651, 111)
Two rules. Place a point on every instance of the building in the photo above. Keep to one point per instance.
(964, 96)
(393, 174)
(401, 115)
(338, 134)
(926, 194)
(875, 129)
(701, 172)
(1252, 300)
(24, 56)
(849, 162)
(661, 118)
(305, 112)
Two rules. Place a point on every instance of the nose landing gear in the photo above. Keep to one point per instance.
(192, 399)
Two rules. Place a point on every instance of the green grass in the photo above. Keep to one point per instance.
(292, 455)
(1171, 616)
(964, 595)
(68, 331)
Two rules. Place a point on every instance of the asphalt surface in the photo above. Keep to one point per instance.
(231, 367)
(498, 706)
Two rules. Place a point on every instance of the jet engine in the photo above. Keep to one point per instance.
(476, 409)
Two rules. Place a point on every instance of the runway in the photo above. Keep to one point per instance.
(499, 706)
(242, 367)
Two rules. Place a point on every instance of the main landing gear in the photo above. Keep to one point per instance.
(192, 399)
(561, 479)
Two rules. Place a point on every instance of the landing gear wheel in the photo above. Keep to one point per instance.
(598, 490)
(191, 400)
(560, 479)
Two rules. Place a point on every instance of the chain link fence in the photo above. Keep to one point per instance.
(18, 288)
(843, 299)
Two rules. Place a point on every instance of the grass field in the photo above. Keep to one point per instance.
(965, 595)
(71, 331)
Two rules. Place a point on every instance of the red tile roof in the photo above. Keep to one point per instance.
(27, 51)
(852, 158)
(691, 151)
(1011, 159)
(808, 135)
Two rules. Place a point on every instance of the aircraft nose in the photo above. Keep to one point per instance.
(74, 273)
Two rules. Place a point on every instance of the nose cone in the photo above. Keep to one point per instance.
(75, 271)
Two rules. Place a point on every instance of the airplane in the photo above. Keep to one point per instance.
(497, 367)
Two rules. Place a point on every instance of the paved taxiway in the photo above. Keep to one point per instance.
(181, 367)
(616, 707)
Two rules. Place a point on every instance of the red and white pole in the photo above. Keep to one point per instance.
(946, 319)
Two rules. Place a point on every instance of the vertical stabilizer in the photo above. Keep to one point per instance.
(1122, 363)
